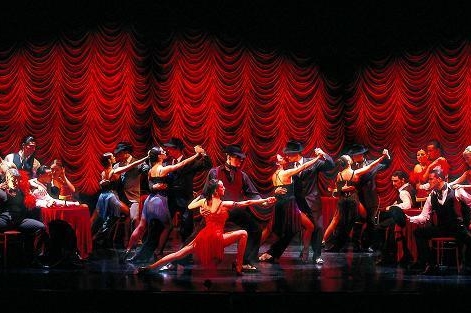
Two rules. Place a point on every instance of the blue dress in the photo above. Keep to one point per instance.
(156, 204)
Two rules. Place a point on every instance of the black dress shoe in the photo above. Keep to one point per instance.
(333, 249)
(405, 261)
(249, 268)
(357, 248)
(385, 262)
(142, 270)
(38, 264)
(431, 270)
(465, 271)
(125, 257)
(369, 250)
(417, 266)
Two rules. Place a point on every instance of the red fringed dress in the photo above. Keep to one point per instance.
(209, 243)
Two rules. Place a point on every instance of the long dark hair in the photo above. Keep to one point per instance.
(210, 188)
(105, 159)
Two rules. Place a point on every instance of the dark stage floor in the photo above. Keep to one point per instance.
(345, 282)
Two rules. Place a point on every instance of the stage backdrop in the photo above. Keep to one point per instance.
(81, 93)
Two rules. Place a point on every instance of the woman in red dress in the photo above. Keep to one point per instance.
(416, 177)
(208, 245)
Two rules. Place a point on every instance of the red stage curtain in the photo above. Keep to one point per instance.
(402, 102)
(83, 92)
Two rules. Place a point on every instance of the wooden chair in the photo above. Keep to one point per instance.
(445, 243)
(420, 202)
(5, 239)
(442, 244)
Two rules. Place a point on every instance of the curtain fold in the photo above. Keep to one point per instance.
(81, 94)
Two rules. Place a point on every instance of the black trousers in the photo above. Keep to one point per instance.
(280, 245)
(242, 218)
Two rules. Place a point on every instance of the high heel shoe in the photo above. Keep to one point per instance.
(125, 256)
(237, 271)
(143, 270)
(266, 257)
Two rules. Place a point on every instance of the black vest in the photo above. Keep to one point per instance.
(411, 190)
(26, 165)
(446, 213)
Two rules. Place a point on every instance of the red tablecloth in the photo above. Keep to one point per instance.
(409, 232)
(79, 218)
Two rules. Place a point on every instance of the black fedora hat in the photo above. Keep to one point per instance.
(235, 150)
(123, 146)
(356, 149)
(174, 143)
(293, 146)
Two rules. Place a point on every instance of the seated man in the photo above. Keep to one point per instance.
(394, 219)
(441, 202)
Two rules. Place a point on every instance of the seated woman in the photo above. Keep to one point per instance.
(208, 245)
(349, 209)
(17, 203)
(416, 177)
(61, 188)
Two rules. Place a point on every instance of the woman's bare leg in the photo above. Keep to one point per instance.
(239, 236)
(163, 239)
(361, 210)
(177, 255)
(137, 234)
(330, 229)
(307, 233)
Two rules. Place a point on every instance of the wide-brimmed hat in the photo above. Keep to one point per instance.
(123, 146)
(174, 143)
(293, 146)
(235, 150)
(356, 149)
(27, 140)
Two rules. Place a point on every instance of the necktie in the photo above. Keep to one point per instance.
(440, 192)
(296, 165)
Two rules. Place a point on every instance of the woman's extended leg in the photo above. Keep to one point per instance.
(307, 234)
(239, 236)
(177, 255)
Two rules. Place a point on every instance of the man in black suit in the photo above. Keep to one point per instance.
(129, 184)
(180, 194)
(180, 185)
(306, 191)
(364, 240)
